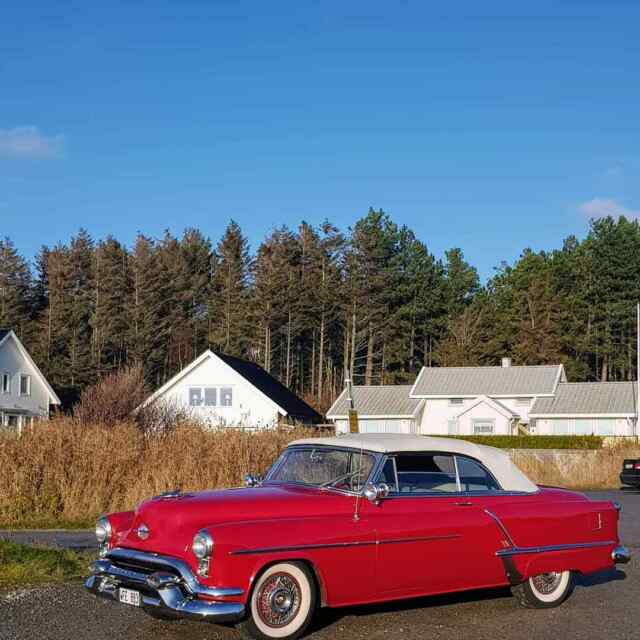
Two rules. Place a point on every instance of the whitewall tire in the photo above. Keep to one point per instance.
(282, 603)
(545, 590)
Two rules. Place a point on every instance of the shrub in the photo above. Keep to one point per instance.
(536, 442)
(112, 399)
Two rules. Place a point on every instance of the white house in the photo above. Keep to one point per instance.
(221, 390)
(482, 400)
(494, 401)
(381, 409)
(25, 394)
(585, 408)
(452, 401)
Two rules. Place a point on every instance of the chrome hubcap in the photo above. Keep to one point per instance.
(546, 583)
(279, 600)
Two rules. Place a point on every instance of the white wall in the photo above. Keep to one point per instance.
(12, 362)
(250, 408)
(583, 426)
(438, 412)
(379, 425)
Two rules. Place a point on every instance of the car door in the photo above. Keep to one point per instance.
(432, 536)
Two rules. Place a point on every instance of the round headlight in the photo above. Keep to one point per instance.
(103, 530)
(202, 545)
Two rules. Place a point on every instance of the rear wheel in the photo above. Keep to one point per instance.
(281, 604)
(545, 590)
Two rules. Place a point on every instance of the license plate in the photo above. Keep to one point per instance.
(628, 466)
(128, 596)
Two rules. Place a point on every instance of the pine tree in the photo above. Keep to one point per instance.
(15, 290)
(230, 292)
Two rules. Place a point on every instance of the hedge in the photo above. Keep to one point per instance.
(536, 442)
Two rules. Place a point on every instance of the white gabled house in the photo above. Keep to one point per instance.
(221, 390)
(482, 400)
(493, 401)
(25, 394)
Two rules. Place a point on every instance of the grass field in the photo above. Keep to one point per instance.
(22, 565)
(62, 474)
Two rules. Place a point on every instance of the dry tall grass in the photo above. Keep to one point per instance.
(596, 469)
(67, 472)
(63, 471)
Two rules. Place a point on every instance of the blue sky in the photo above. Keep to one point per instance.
(491, 126)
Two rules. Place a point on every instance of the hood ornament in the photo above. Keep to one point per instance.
(142, 531)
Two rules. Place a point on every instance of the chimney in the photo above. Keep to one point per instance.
(506, 363)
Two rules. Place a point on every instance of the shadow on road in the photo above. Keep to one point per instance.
(329, 617)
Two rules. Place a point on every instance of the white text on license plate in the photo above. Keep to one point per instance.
(128, 596)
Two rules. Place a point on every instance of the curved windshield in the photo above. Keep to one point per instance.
(347, 470)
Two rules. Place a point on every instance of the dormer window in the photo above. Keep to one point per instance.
(5, 383)
(25, 385)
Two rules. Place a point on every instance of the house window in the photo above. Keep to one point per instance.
(195, 397)
(523, 402)
(605, 426)
(482, 427)
(210, 396)
(584, 427)
(25, 385)
(456, 402)
(6, 383)
(226, 397)
(559, 427)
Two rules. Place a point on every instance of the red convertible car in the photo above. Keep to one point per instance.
(350, 520)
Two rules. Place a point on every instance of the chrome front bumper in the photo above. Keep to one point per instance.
(621, 555)
(165, 584)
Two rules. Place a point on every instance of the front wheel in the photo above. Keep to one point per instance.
(545, 590)
(281, 604)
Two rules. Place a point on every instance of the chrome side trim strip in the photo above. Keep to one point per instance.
(554, 547)
(341, 545)
(504, 530)
(191, 583)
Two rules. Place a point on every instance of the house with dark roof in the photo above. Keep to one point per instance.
(25, 394)
(221, 390)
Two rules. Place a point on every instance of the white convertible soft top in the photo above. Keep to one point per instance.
(495, 460)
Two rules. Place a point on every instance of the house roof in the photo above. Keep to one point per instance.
(377, 401)
(287, 402)
(588, 399)
(496, 460)
(4, 335)
(495, 404)
(489, 381)
(292, 404)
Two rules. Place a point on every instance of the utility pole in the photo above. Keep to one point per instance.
(635, 430)
(353, 414)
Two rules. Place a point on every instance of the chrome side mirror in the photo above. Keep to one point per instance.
(252, 481)
(376, 492)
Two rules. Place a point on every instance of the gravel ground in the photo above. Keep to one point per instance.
(605, 605)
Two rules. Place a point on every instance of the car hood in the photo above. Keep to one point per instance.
(173, 521)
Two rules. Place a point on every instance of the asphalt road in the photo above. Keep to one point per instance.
(603, 606)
